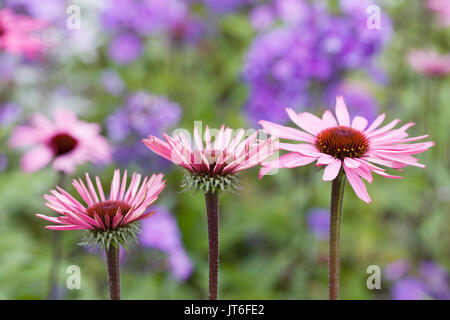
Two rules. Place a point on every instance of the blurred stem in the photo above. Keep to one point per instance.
(337, 196)
(56, 253)
(113, 266)
(212, 214)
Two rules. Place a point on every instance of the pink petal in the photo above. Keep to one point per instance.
(329, 120)
(286, 132)
(306, 121)
(198, 139)
(359, 123)
(51, 219)
(36, 159)
(357, 184)
(351, 163)
(66, 163)
(303, 148)
(341, 112)
(324, 159)
(100, 188)
(66, 227)
(332, 170)
(379, 120)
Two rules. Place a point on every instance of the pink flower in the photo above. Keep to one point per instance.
(429, 62)
(122, 208)
(442, 9)
(353, 146)
(18, 34)
(227, 155)
(67, 142)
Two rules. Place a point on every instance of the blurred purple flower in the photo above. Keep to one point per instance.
(430, 282)
(125, 48)
(49, 10)
(9, 113)
(161, 232)
(143, 18)
(262, 17)
(8, 63)
(180, 265)
(112, 83)
(141, 115)
(312, 51)
(319, 222)
(436, 278)
(409, 289)
(224, 6)
(397, 269)
(292, 11)
(3, 162)
(358, 99)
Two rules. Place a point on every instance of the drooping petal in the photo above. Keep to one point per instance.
(357, 184)
(331, 171)
(351, 163)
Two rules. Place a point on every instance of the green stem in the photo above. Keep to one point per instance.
(56, 253)
(212, 213)
(337, 196)
(112, 264)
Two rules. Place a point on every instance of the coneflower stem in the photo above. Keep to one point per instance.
(56, 253)
(337, 196)
(212, 213)
(112, 264)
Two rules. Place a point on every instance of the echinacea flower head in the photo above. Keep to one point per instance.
(340, 144)
(109, 219)
(18, 34)
(66, 142)
(429, 62)
(213, 166)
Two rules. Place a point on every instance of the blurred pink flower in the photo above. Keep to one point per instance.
(227, 155)
(341, 144)
(429, 62)
(442, 9)
(18, 34)
(121, 209)
(67, 142)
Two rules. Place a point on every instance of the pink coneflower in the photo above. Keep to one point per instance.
(227, 156)
(18, 34)
(123, 206)
(110, 222)
(340, 144)
(212, 168)
(66, 142)
(442, 9)
(429, 62)
(348, 150)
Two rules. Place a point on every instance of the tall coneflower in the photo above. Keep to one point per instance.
(349, 150)
(211, 169)
(110, 222)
